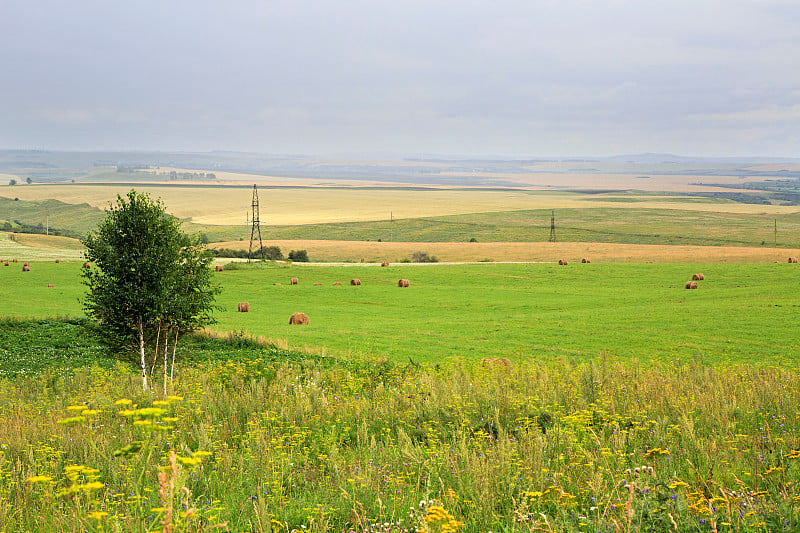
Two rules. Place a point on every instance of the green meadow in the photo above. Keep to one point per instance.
(740, 313)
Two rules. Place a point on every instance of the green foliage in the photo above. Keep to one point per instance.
(299, 256)
(321, 444)
(269, 253)
(148, 279)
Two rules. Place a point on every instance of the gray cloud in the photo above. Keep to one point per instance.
(511, 77)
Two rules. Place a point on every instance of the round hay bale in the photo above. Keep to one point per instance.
(337, 283)
(50, 285)
(5, 264)
(698, 277)
(691, 285)
(562, 262)
(403, 283)
(385, 264)
(584, 260)
(318, 284)
(355, 281)
(26, 268)
(298, 319)
(26, 264)
(15, 260)
(219, 268)
(58, 261)
(293, 281)
(793, 260)
(244, 307)
(86, 265)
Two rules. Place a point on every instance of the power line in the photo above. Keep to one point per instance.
(256, 227)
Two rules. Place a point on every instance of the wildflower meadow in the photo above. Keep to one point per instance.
(287, 442)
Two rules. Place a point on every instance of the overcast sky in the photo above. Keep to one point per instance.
(517, 78)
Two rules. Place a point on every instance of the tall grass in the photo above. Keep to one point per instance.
(316, 445)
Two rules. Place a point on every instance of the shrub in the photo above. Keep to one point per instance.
(300, 256)
(423, 257)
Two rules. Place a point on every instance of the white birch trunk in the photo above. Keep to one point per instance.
(166, 351)
(143, 361)
(174, 348)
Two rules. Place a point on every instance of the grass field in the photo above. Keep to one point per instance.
(363, 215)
(225, 205)
(269, 441)
(460, 252)
(742, 312)
(29, 247)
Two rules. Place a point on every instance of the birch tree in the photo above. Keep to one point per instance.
(149, 282)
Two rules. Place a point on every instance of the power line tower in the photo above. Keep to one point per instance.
(553, 226)
(255, 227)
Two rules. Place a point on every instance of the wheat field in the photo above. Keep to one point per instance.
(372, 252)
(227, 205)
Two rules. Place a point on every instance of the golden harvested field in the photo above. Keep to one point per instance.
(543, 176)
(48, 241)
(223, 205)
(372, 252)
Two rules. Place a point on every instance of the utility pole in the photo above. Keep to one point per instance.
(256, 227)
(552, 226)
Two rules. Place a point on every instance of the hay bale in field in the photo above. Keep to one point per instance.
(698, 277)
(26, 268)
(58, 261)
(337, 283)
(496, 362)
(15, 260)
(562, 262)
(793, 260)
(385, 264)
(298, 319)
(26, 264)
(403, 283)
(244, 307)
(86, 265)
(219, 268)
(293, 281)
(318, 284)
(691, 285)
(355, 281)
(584, 260)
(5, 264)
(50, 285)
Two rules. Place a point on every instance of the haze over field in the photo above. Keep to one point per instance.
(514, 78)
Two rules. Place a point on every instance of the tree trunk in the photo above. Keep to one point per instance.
(143, 360)
(174, 348)
(166, 351)
(155, 351)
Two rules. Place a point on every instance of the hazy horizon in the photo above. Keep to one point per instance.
(513, 79)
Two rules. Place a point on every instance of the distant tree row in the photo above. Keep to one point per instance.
(21, 227)
(174, 175)
(271, 253)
